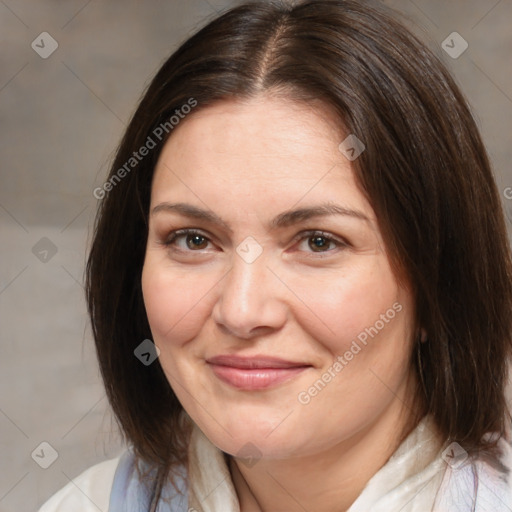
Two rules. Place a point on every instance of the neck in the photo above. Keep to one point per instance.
(326, 482)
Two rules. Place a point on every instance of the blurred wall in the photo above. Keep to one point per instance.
(61, 116)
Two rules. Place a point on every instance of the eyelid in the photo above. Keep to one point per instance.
(185, 231)
(173, 235)
(340, 243)
(318, 232)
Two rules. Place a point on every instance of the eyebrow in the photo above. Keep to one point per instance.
(283, 220)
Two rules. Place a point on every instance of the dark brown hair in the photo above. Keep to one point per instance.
(424, 171)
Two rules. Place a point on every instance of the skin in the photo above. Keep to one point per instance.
(248, 162)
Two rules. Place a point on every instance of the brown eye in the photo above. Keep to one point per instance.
(319, 243)
(195, 241)
(187, 240)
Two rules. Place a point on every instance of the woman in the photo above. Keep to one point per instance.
(300, 282)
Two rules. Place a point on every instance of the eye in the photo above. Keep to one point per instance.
(187, 240)
(192, 240)
(320, 242)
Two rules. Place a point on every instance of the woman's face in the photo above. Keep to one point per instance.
(281, 327)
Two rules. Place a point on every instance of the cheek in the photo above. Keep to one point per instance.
(177, 304)
(341, 305)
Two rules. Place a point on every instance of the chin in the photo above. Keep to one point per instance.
(254, 437)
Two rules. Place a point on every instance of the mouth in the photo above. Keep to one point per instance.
(254, 373)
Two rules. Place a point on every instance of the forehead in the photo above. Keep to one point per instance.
(262, 127)
(260, 147)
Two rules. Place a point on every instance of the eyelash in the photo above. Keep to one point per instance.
(304, 235)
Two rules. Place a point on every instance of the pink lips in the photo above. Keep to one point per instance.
(253, 373)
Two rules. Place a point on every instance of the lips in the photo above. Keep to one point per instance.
(254, 373)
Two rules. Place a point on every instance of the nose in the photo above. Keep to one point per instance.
(250, 301)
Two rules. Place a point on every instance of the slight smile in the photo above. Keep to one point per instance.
(254, 373)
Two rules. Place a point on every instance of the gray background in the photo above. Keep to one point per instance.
(61, 119)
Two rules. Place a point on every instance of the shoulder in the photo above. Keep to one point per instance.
(88, 492)
(494, 480)
(483, 482)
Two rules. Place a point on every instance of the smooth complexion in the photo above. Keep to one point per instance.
(240, 168)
